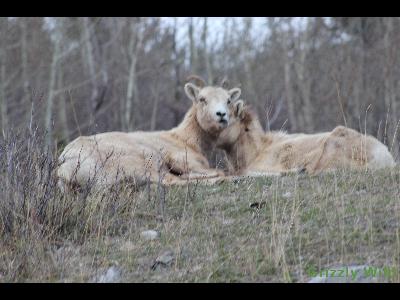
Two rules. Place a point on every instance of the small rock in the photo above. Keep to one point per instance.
(164, 260)
(360, 192)
(166, 257)
(113, 274)
(144, 261)
(197, 268)
(287, 195)
(265, 189)
(149, 234)
(127, 246)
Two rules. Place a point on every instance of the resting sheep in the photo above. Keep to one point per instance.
(251, 151)
(168, 156)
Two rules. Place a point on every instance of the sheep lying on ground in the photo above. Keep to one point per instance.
(251, 151)
(169, 157)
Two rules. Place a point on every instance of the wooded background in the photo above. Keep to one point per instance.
(75, 76)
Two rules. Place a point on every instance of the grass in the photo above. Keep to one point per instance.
(254, 230)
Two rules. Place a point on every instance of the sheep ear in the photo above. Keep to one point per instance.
(191, 91)
(235, 94)
(239, 104)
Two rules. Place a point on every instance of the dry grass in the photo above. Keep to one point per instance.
(255, 230)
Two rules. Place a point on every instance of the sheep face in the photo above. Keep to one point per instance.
(214, 106)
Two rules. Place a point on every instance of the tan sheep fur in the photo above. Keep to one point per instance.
(169, 156)
(251, 151)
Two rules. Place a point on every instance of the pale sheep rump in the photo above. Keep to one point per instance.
(252, 152)
(381, 157)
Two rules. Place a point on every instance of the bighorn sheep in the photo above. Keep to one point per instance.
(251, 151)
(169, 156)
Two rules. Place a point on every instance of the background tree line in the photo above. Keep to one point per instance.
(78, 76)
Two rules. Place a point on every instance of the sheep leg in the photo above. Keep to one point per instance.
(193, 170)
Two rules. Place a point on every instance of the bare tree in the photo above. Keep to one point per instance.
(62, 109)
(89, 59)
(24, 60)
(156, 95)
(205, 51)
(247, 53)
(114, 72)
(56, 36)
(132, 92)
(389, 83)
(3, 101)
(192, 47)
(304, 78)
(287, 58)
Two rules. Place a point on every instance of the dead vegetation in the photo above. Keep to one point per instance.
(252, 230)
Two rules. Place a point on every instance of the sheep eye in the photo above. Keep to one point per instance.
(246, 129)
(229, 101)
(202, 99)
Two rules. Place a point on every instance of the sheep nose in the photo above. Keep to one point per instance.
(221, 114)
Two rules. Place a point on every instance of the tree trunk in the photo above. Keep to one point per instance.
(177, 64)
(359, 88)
(193, 49)
(24, 64)
(389, 90)
(52, 84)
(206, 55)
(246, 50)
(304, 78)
(3, 100)
(154, 111)
(62, 110)
(92, 69)
(288, 82)
(132, 89)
